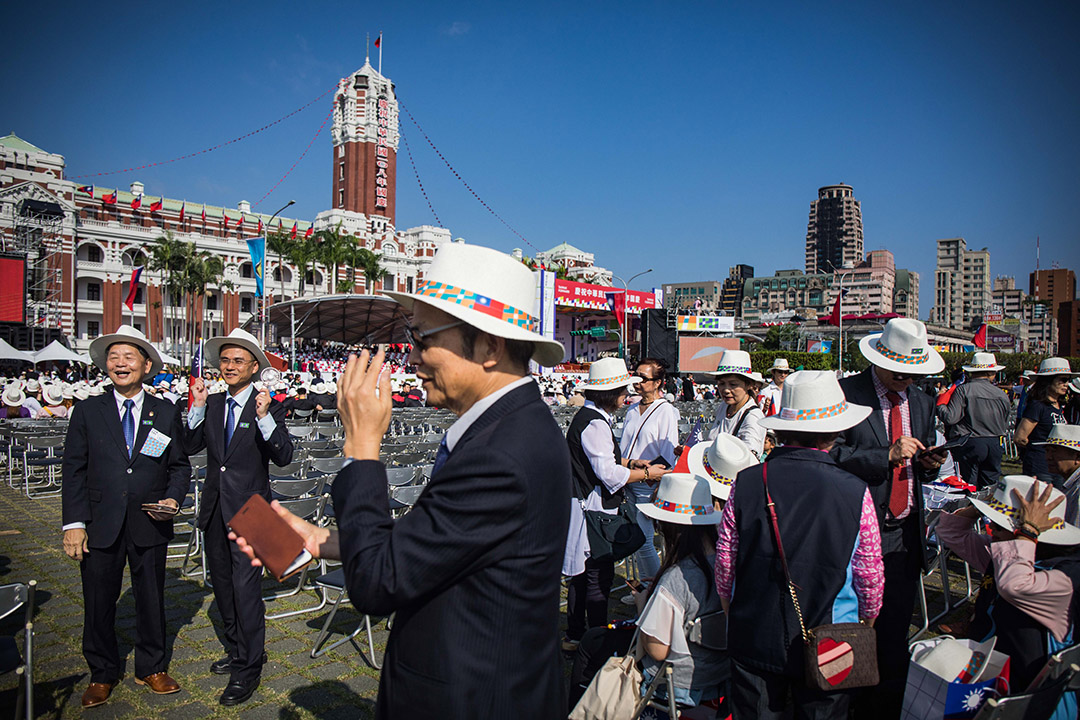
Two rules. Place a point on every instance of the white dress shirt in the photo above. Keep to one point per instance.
(456, 431)
(656, 438)
(267, 425)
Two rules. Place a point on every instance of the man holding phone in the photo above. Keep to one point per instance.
(887, 451)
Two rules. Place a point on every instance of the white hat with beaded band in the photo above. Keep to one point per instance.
(1066, 436)
(719, 461)
(1001, 507)
(683, 499)
(608, 374)
(487, 289)
(983, 362)
(902, 347)
(736, 362)
(812, 401)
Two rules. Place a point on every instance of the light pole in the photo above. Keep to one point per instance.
(626, 290)
(281, 272)
(849, 266)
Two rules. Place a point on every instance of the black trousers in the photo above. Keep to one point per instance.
(979, 461)
(102, 575)
(757, 694)
(597, 645)
(901, 549)
(238, 594)
(587, 597)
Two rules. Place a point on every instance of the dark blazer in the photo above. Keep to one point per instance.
(864, 449)
(102, 486)
(473, 570)
(236, 472)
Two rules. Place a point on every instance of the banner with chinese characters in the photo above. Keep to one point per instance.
(595, 297)
(705, 323)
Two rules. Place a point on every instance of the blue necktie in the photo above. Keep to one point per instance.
(230, 420)
(440, 456)
(128, 421)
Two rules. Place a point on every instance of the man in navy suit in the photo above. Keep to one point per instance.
(473, 570)
(887, 451)
(242, 431)
(123, 449)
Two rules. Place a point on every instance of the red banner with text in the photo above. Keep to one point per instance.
(595, 297)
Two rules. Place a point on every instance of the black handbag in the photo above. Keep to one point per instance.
(613, 537)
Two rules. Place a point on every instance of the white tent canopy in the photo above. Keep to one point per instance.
(7, 352)
(168, 359)
(55, 352)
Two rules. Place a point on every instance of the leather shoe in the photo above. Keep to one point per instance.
(97, 694)
(237, 692)
(159, 683)
(224, 665)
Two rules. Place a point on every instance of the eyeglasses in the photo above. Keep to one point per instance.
(234, 362)
(646, 379)
(416, 337)
(781, 372)
(901, 376)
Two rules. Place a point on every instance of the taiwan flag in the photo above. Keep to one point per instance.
(259, 231)
(183, 208)
(309, 231)
(378, 41)
(617, 304)
(204, 214)
(157, 205)
(136, 202)
(240, 222)
(834, 317)
(293, 233)
(133, 287)
(109, 199)
(979, 340)
(88, 189)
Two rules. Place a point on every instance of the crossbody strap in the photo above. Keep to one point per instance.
(771, 506)
(641, 427)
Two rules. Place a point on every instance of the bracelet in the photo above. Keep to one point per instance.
(646, 473)
(1023, 532)
(1033, 526)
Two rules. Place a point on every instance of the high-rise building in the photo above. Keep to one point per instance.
(1068, 319)
(1053, 287)
(961, 285)
(731, 294)
(834, 233)
(906, 293)
(701, 296)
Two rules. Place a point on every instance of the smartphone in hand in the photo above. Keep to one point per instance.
(636, 586)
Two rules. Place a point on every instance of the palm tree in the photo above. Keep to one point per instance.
(367, 262)
(303, 254)
(335, 249)
(167, 257)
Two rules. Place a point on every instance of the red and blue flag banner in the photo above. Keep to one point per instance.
(136, 202)
(260, 226)
(183, 207)
(293, 233)
(88, 189)
(979, 340)
(133, 287)
(109, 199)
(308, 233)
(617, 304)
(378, 41)
(157, 205)
(240, 222)
(204, 214)
(834, 317)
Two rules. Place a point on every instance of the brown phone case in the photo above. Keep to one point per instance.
(276, 544)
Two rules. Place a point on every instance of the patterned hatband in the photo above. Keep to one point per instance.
(1013, 513)
(978, 366)
(733, 369)
(919, 358)
(814, 413)
(617, 380)
(713, 473)
(1064, 442)
(479, 303)
(682, 509)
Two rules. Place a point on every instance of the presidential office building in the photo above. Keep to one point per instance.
(78, 243)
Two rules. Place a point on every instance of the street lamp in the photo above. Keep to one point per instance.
(626, 290)
(849, 266)
(281, 273)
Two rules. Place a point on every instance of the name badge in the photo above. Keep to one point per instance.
(155, 444)
(245, 424)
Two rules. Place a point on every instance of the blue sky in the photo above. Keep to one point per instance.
(686, 137)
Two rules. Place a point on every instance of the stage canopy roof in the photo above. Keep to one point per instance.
(349, 319)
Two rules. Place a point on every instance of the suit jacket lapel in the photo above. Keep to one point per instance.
(504, 405)
(111, 417)
(247, 415)
(870, 398)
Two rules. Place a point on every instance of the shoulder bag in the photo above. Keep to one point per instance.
(612, 537)
(840, 656)
(615, 691)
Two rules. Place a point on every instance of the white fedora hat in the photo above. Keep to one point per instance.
(684, 499)
(736, 362)
(1002, 508)
(903, 348)
(319, 388)
(812, 401)
(487, 289)
(780, 364)
(1054, 366)
(983, 362)
(1064, 435)
(13, 395)
(82, 393)
(240, 338)
(99, 348)
(52, 394)
(32, 385)
(719, 461)
(608, 374)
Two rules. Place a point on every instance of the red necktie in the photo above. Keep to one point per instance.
(898, 497)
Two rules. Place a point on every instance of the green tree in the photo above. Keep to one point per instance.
(335, 249)
(303, 253)
(367, 262)
(167, 256)
(280, 243)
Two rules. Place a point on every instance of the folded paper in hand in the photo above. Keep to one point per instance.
(278, 546)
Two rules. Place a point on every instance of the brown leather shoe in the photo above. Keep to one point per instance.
(159, 683)
(96, 694)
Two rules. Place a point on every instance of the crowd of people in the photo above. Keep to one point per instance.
(799, 507)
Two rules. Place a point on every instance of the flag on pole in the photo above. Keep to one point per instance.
(157, 205)
(136, 202)
(378, 41)
(617, 304)
(240, 222)
(196, 369)
(109, 199)
(204, 214)
(133, 287)
(182, 208)
(88, 189)
(309, 231)
(979, 340)
(834, 317)
(257, 248)
(293, 234)
(260, 227)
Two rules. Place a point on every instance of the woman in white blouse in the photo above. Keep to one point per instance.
(739, 415)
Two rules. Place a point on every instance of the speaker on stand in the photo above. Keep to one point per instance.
(658, 339)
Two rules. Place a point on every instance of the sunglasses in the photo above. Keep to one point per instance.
(416, 337)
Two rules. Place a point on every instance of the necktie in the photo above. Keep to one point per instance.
(230, 420)
(898, 497)
(128, 422)
(440, 456)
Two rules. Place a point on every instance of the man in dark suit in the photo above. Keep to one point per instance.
(123, 449)
(887, 451)
(242, 432)
(473, 570)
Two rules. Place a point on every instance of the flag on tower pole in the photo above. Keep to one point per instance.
(293, 233)
(309, 231)
(109, 198)
(133, 287)
(136, 202)
(182, 208)
(88, 189)
(378, 44)
(260, 232)
(157, 205)
(204, 214)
